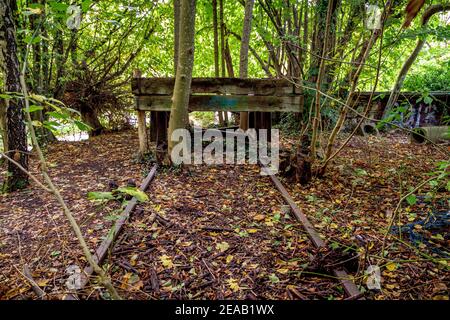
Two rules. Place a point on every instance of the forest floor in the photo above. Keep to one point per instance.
(223, 232)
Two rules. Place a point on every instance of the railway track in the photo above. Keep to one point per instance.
(351, 290)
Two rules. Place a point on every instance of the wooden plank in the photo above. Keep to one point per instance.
(223, 103)
(233, 86)
(104, 247)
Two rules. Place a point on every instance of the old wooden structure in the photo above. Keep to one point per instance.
(441, 101)
(259, 96)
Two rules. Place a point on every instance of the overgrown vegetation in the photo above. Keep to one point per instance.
(66, 66)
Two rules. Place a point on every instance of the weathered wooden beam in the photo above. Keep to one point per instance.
(223, 103)
(233, 86)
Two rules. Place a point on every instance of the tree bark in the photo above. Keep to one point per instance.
(3, 105)
(15, 121)
(179, 111)
(243, 61)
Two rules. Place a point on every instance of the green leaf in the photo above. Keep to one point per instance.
(51, 125)
(273, 278)
(58, 115)
(428, 100)
(34, 108)
(411, 199)
(55, 253)
(360, 172)
(434, 183)
(112, 217)
(36, 123)
(277, 216)
(223, 246)
(134, 192)
(36, 6)
(85, 5)
(100, 196)
(334, 245)
(82, 126)
(30, 39)
(58, 6)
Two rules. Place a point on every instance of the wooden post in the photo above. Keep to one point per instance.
(142, 131)
(142, 127)
(153, 126)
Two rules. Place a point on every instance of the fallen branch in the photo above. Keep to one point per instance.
(27, 275)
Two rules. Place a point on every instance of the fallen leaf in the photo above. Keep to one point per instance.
(223, 246)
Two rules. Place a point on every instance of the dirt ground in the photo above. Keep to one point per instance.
(223, 232)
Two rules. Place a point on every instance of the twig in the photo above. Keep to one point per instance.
(209, 270)
(217, 229)
(298, 294)
(27, 275)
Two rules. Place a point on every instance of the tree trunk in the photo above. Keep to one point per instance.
(3, 130)
(176, 34)
(89, 116)
(44, 135)
(243, 61)
(59, 88)
(216, 52)
(222, 48)
(432, 10)
(179, 111)
(3, 105)
(15, 120)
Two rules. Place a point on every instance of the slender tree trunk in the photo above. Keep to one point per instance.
(3, 130)
(3, 104)
(176, 34)
(354, 74)
(228, 59)
(429, 12)
(222, 37)
(59, 87)
(216, 52)
(183, 79)
(42, 133)
(15, 121)
(320, 76)
(243, 61)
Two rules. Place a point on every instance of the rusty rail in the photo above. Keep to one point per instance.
(104, 247)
